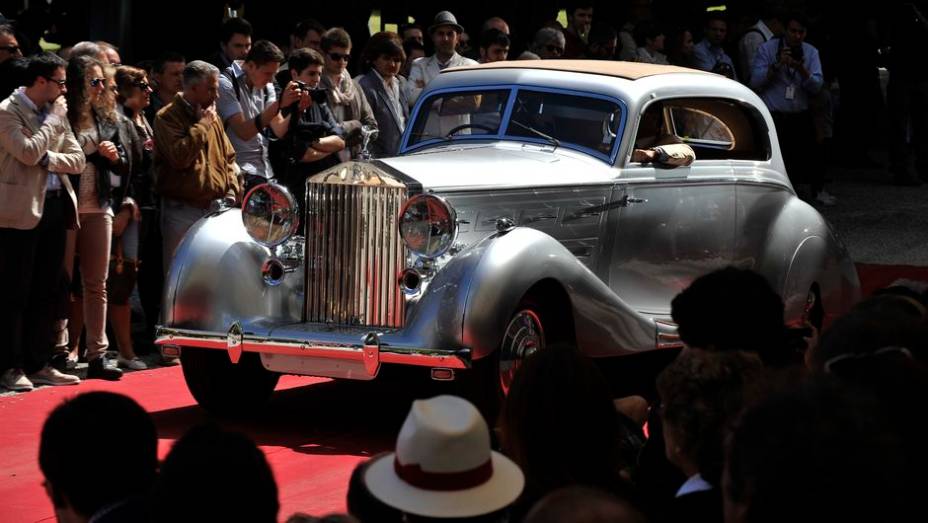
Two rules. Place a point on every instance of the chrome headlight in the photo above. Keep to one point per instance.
(428, 225)
(270, 214)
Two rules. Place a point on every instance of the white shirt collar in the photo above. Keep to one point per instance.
(389, 86)
(694, 483)
(762, 27)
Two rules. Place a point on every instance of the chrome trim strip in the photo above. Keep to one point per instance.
(452, 359)
(666, 336)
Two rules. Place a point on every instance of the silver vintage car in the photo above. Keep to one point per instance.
(513, 216)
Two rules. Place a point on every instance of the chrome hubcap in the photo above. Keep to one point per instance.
(524, 335)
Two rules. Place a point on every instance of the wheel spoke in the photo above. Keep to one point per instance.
(524, 336)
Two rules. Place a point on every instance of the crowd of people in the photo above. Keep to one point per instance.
(753, 421)
(105, 166)
(136, 155)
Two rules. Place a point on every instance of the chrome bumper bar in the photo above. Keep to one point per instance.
(370, 351)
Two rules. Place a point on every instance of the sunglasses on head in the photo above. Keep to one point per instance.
(554, 49)
(336, 57)
(95, 82)
(57, 81)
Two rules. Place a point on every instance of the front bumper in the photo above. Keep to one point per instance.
(337, 358)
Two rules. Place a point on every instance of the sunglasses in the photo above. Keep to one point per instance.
(555, 49)
(142, 85)
(96, 82)
(10, 48)
(57, 81)
(336, 57)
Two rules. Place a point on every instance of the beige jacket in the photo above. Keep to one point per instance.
(23, 144)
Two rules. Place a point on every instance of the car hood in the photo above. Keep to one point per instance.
(499, 165)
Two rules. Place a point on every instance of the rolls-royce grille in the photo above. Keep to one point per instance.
(354, 254)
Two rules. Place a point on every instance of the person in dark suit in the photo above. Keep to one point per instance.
(701, 393)
(385, 90)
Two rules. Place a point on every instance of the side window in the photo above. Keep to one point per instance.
(694, 127)
(718, 128)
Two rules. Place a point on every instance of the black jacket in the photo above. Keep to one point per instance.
(123, 134)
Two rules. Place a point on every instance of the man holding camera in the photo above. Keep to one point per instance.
(313, 136)
(249, 108)
(786, 73)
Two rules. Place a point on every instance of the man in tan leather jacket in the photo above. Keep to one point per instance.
(37, 205)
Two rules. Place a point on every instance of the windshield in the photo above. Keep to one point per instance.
(557, 118)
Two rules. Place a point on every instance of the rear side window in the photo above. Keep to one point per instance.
(717, 128)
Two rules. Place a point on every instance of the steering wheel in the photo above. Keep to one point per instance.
(468, 126)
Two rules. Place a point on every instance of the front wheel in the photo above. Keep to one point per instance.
(524, 335)
(531, 328)
(224, 388)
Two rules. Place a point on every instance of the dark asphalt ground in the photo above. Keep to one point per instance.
(878, 222)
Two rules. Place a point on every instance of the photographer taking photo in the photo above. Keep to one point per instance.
(313, 137)
(250, 111)
(787, 74)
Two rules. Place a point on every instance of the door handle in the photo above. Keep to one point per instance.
(631, 201)
(596, 210)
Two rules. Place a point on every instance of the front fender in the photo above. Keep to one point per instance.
(216, 279)
(492, 276)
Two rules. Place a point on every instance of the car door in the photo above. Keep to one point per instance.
(670, 225)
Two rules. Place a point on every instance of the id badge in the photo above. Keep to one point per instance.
(790, 92)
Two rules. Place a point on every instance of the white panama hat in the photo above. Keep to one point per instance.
(443, 466)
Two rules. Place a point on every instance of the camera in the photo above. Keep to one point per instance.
(724, 69)
(317, 95)
(795, 51)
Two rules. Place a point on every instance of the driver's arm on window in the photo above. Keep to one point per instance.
(668, 151)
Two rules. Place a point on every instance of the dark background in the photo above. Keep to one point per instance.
(145, 29)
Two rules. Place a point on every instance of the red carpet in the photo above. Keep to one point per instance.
(310, 440)
(313, 432)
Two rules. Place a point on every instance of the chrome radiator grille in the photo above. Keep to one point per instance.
(354, 254)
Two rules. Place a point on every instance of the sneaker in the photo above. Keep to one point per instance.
(97, 369)
(16, 380)
(52, 376)
(825, 199)
(135, 363)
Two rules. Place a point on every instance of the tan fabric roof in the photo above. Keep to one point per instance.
(627, 70)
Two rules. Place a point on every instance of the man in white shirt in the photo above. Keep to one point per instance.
(445, 33)
(769, 26)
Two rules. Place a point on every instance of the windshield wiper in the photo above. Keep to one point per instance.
(424, 136)
(552, 140)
